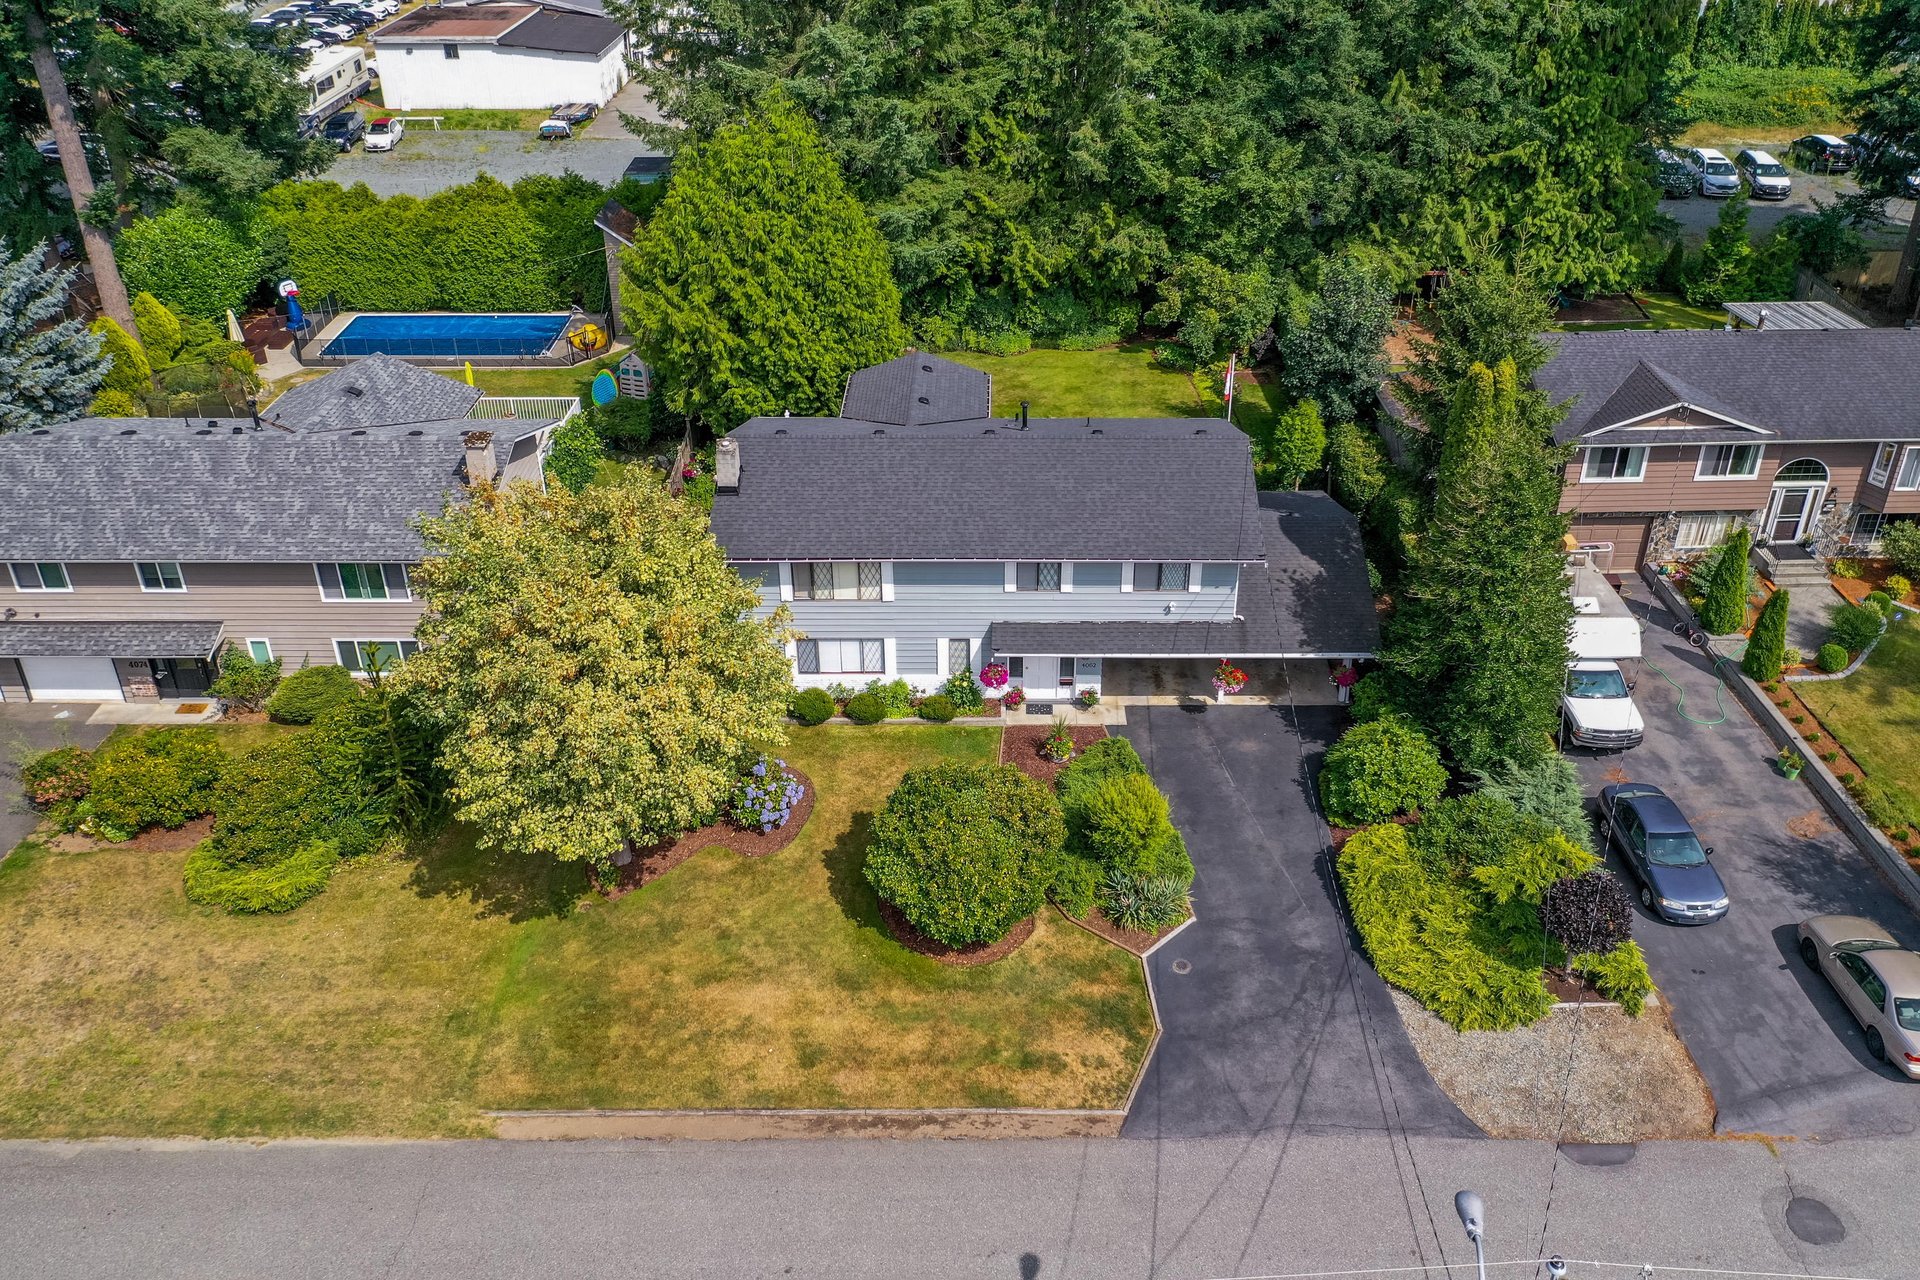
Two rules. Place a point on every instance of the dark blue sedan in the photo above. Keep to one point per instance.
(1651, 835)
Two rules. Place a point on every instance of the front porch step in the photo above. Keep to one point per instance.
(1795, 569)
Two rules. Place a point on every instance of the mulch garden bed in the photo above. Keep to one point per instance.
(1340, 835)
(961, 957)
(1873, 577)
(1614, 308)
(651, 863)
(1134, 940)
(1572, 988)
(1020, 747)
(152, 840)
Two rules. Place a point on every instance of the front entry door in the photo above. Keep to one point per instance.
(180, 677)
(1790, 508)
(1064, 684)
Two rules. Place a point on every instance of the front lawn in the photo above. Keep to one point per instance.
(1113, 382)
(418, 991)
(1875, 714)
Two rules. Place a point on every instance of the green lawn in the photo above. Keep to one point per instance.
(1666, 311)
(574, 381)
(1875, 714)
(420, 990)
(1112, 382)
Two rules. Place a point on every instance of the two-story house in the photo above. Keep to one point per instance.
(1812, 438)
(916, 535)
(136, 548)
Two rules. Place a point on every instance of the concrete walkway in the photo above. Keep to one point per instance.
(1807, 609)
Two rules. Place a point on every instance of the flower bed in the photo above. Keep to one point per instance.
(651, 863)
(1020, 747)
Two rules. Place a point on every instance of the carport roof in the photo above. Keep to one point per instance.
(108, 639)
(1309, 599)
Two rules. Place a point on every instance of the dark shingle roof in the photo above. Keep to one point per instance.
(553, 31)
(1078, 488)
(1845, 384)
(224, 490)
(1309, 598)
(375, 392)
(108, 639)
(915, 390)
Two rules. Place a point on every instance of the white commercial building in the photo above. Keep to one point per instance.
(511, 56)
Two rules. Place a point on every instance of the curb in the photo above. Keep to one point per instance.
(1892, 865)
(738, 1125)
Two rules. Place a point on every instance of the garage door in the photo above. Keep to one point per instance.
(1628, 534)
(71, 679)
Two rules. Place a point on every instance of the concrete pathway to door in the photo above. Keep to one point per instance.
(1273, 1019)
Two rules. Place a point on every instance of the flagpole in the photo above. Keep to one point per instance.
(1229, 387)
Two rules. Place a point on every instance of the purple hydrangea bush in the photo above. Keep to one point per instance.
(765, 797)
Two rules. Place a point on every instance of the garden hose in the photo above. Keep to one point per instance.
(1719, 691)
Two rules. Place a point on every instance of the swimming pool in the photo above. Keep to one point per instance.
(440, 334)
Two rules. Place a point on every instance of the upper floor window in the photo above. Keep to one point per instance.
(841, 657)
(1037, 575)
(447, 51)
(839, 580)
(1614, 464)
(160, 575)
(363, 582)
(1883, 462)
(1909, 477)
(42, 575)
(1728, 462)
(1801, 469)
(1172, 575)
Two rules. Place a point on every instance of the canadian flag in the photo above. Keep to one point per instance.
(1227, 395)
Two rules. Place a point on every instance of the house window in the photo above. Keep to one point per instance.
(1865, 532)
(1700, 529)
(1801, 469)
(260, 650)
(1173, 575)
(1883, 462)
(1037, 575)
(840, 580)
(42, 575)
(372, 657)
(363, 582)
(959, 655)
(1017, 668)
(1728, 462)
(447, 51)
(1909, 477)
(160, 575)
(841, 657)
(1613, 465)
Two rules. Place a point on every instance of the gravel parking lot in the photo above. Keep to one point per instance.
(427, 161)
(1697, 214)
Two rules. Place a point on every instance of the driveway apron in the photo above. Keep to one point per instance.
(1780, 1052)
(1273, 1020)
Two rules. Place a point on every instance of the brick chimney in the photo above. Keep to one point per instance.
(726, 465)
(480, 468)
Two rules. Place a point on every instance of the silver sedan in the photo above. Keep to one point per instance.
(1878, 981)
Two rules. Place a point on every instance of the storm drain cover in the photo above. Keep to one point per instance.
(1813, 1222)
(1186, 966)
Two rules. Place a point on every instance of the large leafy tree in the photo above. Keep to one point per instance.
(760, 284)
(1336, 355)
(1890, 108)
(592, 665)
(1481, 626)
(49, 367)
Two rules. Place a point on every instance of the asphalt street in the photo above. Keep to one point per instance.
(1272, 1018)
(26, 728)
(1014, 1210)
(1778, 1049)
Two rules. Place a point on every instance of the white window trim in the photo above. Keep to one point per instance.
(891, 661)
(163, 589)
(1066, 576)
(1700, 471)
(41, 590)
(1013, 575)
(940, 656)
(1126, 576)
(406, 578)
(886, 580)
(1906, 453)
(1588, 452)
(1885, 455)
(786, 581)
(1193, 576)
(262, 640)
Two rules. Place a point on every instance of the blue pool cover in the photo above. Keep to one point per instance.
(447, 335)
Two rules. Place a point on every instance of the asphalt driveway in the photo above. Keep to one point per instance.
(1273, 1019)
(1776, 1046)
(28, 727)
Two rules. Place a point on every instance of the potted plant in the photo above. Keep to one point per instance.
(1791, 763)
(1058, 744)
(1089, 698)
(1014, 698)
(1228, 679)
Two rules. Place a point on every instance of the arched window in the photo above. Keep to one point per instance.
(1802, 470)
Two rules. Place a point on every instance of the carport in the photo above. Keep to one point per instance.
(105, 661)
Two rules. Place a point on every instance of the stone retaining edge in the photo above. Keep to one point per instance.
(735, 1125)
(1892, 865)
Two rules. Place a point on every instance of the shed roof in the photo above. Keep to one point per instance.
(916, 389)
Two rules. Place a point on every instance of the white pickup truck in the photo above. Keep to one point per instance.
(1597, 706)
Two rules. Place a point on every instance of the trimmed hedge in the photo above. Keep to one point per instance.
(1831, 659)
(310, 693)
(1378, 770)
(191, 261)
(939, 708)
(865, 708)
(159, 778)
(250, 888)
(811, 706)
(965, 852)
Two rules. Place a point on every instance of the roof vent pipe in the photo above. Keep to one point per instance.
(1023, 415)
(1763, 319)
(726, 465)
(479, 446)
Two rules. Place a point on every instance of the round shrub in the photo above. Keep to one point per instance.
(866, 708)
(811, 706)
(1591, 913)
(1074, 885)
(311, 692)
(248, 887)
(1854, 626)
(1898, 587)
(162, 778)
(965, 852)
(1120, 821)
(55, 777)
(939, 708)
(1831, 658)
(1106, 758)
(1380, 769)
(1881, 603)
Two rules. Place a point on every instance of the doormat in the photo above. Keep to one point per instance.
(190, 708)
(1040, 708)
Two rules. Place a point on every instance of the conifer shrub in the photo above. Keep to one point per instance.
(1378, 770)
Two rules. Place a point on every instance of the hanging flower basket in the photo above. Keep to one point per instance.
(1228, 679)
(994, 675)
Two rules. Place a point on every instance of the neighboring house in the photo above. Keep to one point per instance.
(519, 57)
(136, 548)
(915, 535)
(1809, 436)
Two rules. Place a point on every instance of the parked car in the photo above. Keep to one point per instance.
(1677, 880)
(383, 8)
(385, 133)
(1672, 174)
(574, 112)
(1823, 153)
(344, 128)
(1766, 177)
(1713, 172)
(1878, 980)
(553, 130)
(321, 26)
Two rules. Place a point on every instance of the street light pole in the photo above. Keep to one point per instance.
(1473, 1215)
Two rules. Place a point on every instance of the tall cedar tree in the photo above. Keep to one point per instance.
(1889, 36)
(593, 666)
(1723, 611)
(1336, 355)
(1481, 628)
(1296, 444)
(49, 367)
(1766, 653)
(760, 284)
